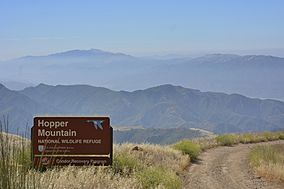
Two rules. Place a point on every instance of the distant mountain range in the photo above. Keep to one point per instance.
(253, 75)
(164, 106)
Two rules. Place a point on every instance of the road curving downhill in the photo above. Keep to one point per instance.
(227, 168)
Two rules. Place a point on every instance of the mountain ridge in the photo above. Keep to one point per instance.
(74, 53)
(165, 106)
(96, 51)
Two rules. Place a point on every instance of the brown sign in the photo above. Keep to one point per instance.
(71, 141)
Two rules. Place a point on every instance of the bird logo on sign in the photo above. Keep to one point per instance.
(98, 124)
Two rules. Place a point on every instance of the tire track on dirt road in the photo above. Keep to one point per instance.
(228, 168)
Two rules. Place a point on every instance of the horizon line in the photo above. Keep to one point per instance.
(180, 54)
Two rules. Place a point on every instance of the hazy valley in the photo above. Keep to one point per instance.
(251, 75)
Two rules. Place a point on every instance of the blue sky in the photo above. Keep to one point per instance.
(145, 27)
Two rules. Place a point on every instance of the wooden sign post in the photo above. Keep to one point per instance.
(58, 141)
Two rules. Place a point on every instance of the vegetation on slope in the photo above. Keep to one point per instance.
(232, 139)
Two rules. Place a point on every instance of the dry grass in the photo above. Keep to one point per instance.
(81, 178)
(152, 166)
(155, 155)
(233, 139)
(268, 161)
(206, 142)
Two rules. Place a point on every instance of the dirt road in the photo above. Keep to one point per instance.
(227, 167)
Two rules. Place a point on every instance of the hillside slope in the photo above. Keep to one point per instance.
(19, 109)
(164, 106)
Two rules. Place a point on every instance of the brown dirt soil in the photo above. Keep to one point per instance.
(227, 167)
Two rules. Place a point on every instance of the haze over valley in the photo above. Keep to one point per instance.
(251, 75)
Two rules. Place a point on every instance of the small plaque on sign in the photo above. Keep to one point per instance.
(60, 141)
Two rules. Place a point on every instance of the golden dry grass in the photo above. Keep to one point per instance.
(80, 178)
(268, 161)
(155, 155)
(152, 166)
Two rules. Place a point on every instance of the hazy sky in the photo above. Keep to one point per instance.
(141, 27)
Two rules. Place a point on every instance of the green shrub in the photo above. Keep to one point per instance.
(247, 138)
(227, 139)
(257, 137)
(260, 138)
(124, 163)
(270, 136)
(281, 136)
(188, 147)
(153, 177)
